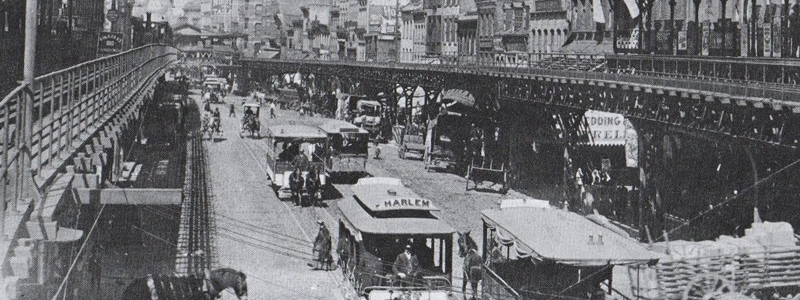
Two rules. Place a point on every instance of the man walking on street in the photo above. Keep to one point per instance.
(272, 109)
(232, 112)
(322, 248)
(95, 271)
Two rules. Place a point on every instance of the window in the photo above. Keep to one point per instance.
(234, 26)
(259, 7)
(246, 20)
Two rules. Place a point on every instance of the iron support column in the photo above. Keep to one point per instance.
(29, 73)
(672, 44)
(698, 39)
(724, 28)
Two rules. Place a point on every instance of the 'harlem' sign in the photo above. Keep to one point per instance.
(406, 203)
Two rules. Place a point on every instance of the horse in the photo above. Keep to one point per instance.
(296, 186)
(312, 186)
(250, 123)
(193, 287)
(473, 272)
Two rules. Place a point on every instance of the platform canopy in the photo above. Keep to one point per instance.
(548, 234)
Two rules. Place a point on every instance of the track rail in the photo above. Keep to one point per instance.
(196, 248)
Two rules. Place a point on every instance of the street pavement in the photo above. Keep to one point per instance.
(271, 240)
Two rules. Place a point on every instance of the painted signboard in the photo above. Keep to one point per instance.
(109, 43)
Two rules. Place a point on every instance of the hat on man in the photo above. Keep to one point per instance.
(408, 247)
(320, 222)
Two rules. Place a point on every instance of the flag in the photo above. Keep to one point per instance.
(599, 20)
(633, 8)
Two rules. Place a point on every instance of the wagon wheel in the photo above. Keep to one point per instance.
(708, 287)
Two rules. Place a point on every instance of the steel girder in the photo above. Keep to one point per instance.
(759, 120)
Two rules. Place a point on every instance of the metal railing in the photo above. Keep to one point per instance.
(65, 105)
(551, 66)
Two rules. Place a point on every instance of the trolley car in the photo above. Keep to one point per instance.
(347, 149)
(377, 222)
(545, 253)
(284, 143)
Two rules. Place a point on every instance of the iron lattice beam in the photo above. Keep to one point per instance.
(754, 119)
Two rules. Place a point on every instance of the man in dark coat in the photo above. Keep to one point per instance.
(406, 267)
(322, 248)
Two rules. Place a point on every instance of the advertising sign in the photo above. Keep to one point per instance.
(682, 44)
(607, 129)
(109, 43)
(767, 41)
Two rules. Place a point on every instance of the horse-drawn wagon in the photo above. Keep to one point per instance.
(346, 149)
(288, 98)
(251, 119)
(285, 143)
(411, 140)
(376, 224)
(540, 252)
(764, 263)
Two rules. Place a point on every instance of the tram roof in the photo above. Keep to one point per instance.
(546, 233)
(374, 210)
(295, 131)
(339, 126)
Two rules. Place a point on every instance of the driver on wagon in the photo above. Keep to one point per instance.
(406, 267)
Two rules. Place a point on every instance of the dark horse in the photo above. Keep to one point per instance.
(473, 272)
(312, 186)
(192, 287)
(296, 186)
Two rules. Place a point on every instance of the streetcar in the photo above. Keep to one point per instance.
(284, 143)
(525, 246)
(376, 224)
(346, 149)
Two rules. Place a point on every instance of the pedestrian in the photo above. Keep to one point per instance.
(95, 271)
(232, 112)
(377, 149)
(272, 109)
(217, 119)
(322, 249)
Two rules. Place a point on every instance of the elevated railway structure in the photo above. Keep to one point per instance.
(710, 134)
(62, 133)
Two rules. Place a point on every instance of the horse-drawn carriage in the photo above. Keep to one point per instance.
(540, 252)
(486, 159)
(288, 98)
(210, 124)
(346, 149)
(376, 223)
(410, 140)
(285, 144)
(251, 119)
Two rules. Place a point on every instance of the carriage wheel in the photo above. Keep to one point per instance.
(708, 287)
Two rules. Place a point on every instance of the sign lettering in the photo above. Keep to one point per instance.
(109, 43)
(407, 202)
(606, 128)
